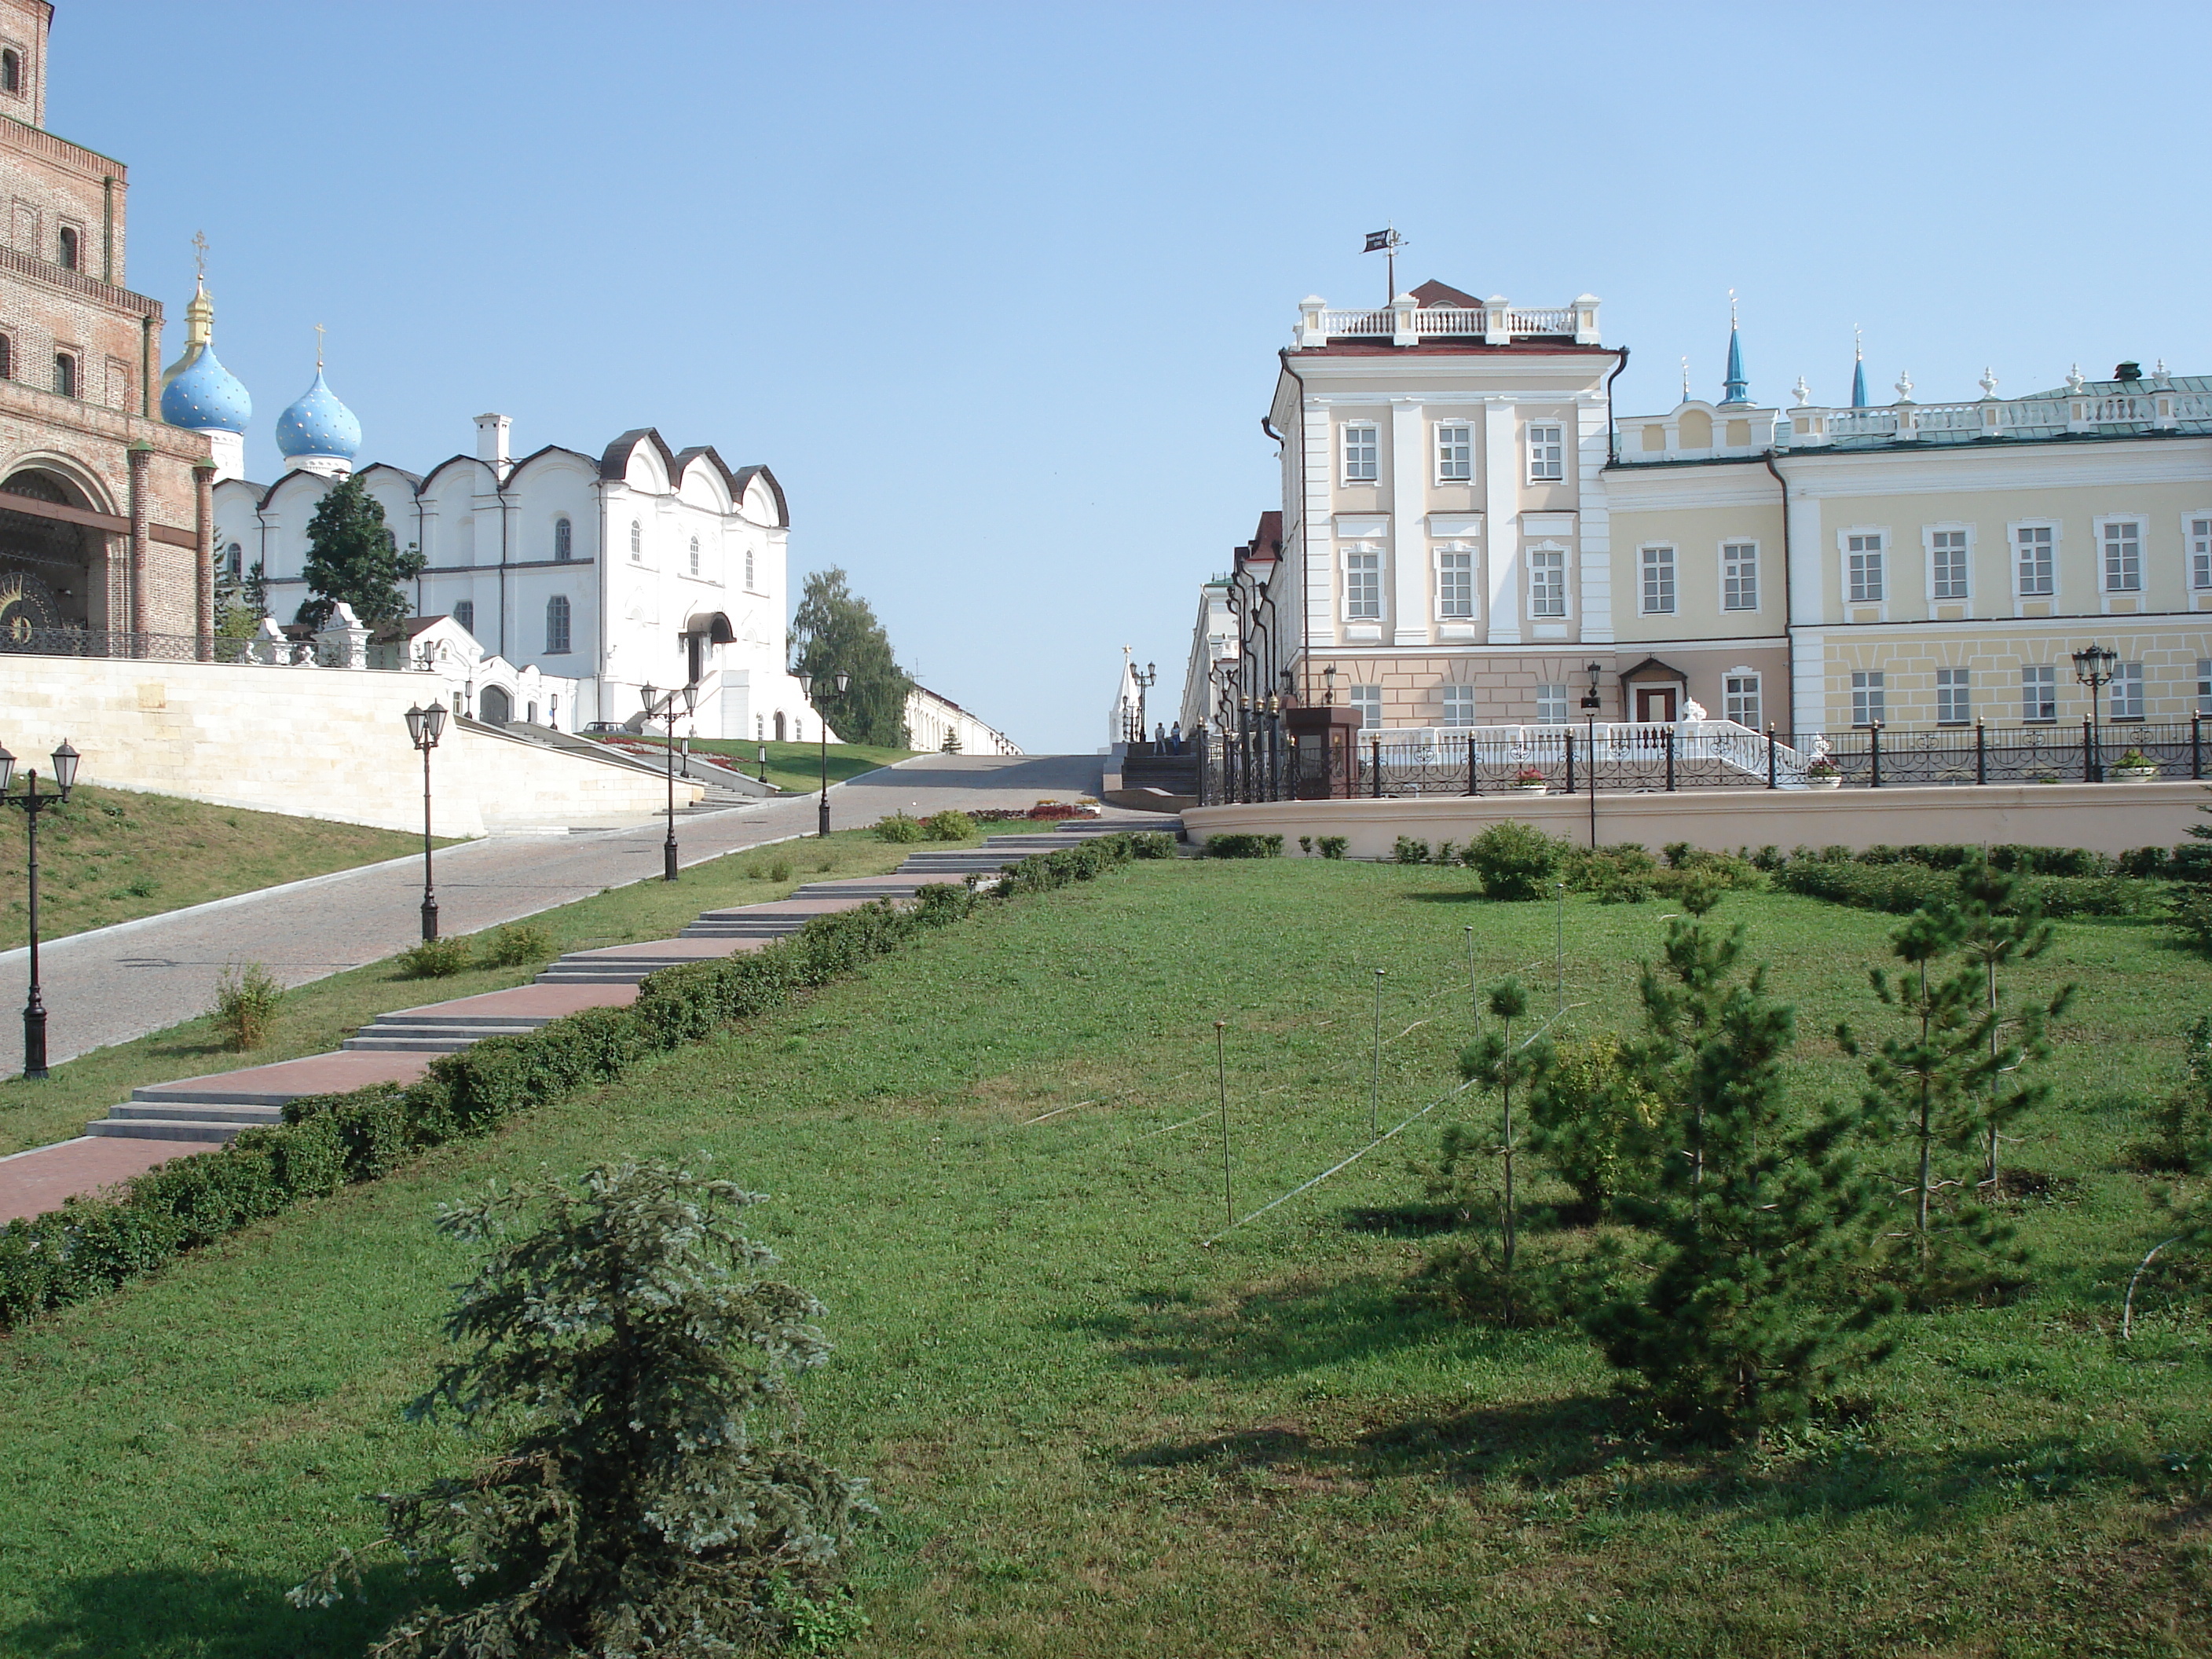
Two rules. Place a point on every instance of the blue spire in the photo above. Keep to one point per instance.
(1858, 374)
(1738, 389)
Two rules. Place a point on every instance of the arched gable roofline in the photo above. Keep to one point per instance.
(551, 453)
(708, 454)
(412, 480)
(744, 482)
(615, 464)
(477, 462)
(296, 472)
(77, 477)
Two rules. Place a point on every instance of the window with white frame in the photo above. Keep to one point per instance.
(1455, 454)
(1367, 699)
(2205, 685)
(749, 569)
(1459, 705)
(695, 555)
(2039, 691)
(557, 626)
(1863, 556)
(2122, 556)
(2035, 558)
(1866, 697)
(1363, 454)
(636, 542)
(2199, 553)
(1739, 575)
(1657, 564)
(1954, 702)
(1551, 705)
(1547, 453)
(1363, 585)
(1548, 582)
(2127, 691)
(564, 541)
(1947, 564)
(1455, 585)
(1740, 701)
(465, 612)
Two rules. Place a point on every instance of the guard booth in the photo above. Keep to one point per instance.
(1324, 761)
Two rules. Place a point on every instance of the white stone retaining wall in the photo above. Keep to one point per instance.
(326, 745)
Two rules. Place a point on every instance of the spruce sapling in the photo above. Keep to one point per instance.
(2002, 925)
(1493, 1061)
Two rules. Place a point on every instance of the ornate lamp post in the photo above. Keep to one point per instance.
(33, 803)
(806, 691)
(1144, 681)
(1328, 684)
(2093, 666)
(424, 727)
(661, 706)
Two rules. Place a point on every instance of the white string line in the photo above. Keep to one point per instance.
(1054, 1112)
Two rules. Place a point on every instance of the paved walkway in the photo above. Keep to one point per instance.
(164, 1121)
(118, 983)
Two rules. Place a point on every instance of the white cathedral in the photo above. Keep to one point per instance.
(641, 565)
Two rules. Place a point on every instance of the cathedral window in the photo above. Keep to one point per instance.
(636, 542)
(234, 563)
(66, 256)
(695, 555)
(749, 588)
(465, 612)
(66, 375)
(557, 626)
(11, 70)
(564, 541)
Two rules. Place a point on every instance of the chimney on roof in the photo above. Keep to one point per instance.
(491, 443)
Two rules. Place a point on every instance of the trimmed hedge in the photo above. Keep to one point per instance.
(1903, 887)
(328, 1141)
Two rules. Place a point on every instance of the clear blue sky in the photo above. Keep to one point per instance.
(997, 290)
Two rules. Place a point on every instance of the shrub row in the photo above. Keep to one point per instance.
(327, 1141)
(1902, 888)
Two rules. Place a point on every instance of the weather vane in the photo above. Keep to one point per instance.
(1387, 241)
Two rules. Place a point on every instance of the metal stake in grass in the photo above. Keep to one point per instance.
(1562, 942)
(1375, 1077)
(1221, 1075)
(1473, 991)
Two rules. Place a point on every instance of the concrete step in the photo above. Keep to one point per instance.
(214, 1122)
(149, 1128)
(556, 975)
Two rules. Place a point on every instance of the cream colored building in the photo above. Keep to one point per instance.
(1472, 536)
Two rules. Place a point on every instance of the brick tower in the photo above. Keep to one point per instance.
(106, 527)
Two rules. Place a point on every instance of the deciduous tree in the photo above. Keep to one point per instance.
(836, 631)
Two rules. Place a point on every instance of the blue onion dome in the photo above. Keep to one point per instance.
(319, 424)
(205, 397)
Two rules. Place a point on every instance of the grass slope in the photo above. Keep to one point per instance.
(796, 766)
(110, 856)
(994, 1157)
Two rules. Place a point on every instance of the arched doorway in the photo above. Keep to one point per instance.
(53, 574)
(779, 725)
(494, 706)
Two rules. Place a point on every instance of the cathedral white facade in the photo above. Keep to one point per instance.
(641, 565)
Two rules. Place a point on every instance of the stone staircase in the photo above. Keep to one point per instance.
(216, 1109)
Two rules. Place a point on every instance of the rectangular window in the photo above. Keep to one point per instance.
(1459, 705)
(66, 375)
(1551, 705)
(1866, 698)
(2124, 556)
(1363, 585)
(1658, 566)
(1548, 454)
(2205, 685)
(1362, 454)
(1948, 566)
(2039, 691)
(2200, 548)
(1455, 584)
(465, 612)
(1740, 700)
(1953, 696)
(1740, 576)
(1367, 699)
(2127, 691)
(1455, 454)
(1547, 582)
(1865, 553)
(749, 570)
(2036, 558)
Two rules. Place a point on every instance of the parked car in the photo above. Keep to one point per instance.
(606, 725)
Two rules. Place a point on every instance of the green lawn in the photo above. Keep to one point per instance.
(110, 856)
(797, 766)
(1090, 1433)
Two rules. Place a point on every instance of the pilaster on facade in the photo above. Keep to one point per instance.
(1808, 684)
(1501, 495)
(1409, 552)
(1594, 551)
(1319, 523)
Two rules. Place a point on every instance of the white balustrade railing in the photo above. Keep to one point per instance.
(2121, 410)
(1335, 323)
(1318, 324)
(1550, 319)
(1449, 320)
(2030, 414)
(1735, 746)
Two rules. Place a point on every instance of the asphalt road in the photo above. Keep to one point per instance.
(118, 983)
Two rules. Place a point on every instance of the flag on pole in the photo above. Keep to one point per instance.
(1377, 241)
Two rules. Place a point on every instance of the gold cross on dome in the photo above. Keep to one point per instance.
(200, 253)
(319, 346)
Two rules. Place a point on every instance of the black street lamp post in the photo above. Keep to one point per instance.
(661, 706)
(424, 727)
(33, 803)
(1144, 681)
(2093, 666)
(806, 691)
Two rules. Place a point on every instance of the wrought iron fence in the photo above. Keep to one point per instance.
(102, 642)
(1263, 762)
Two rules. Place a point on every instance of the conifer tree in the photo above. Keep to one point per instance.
(1496, 1062)
(353, 558)
(1757, 1217)
(623, 1345)
(836, 631)
(2001, 926)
